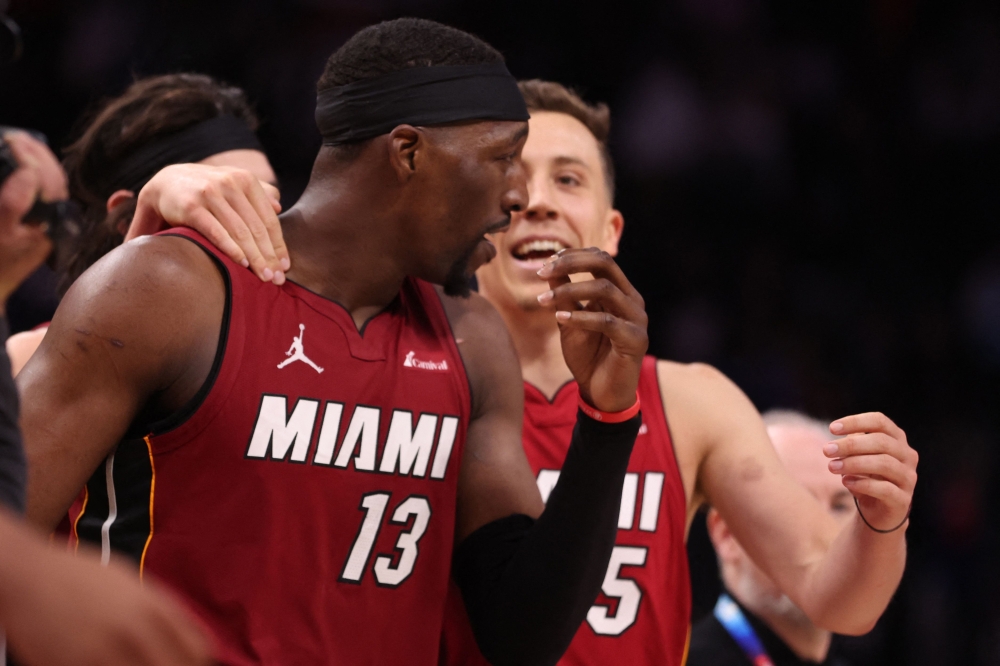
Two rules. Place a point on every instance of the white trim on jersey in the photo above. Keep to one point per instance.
(109, 479)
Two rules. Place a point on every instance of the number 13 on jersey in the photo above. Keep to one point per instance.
(374, 506)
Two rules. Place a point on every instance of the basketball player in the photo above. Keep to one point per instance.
(701, 440)
(170, 119)
(311, 517)
(753, 622)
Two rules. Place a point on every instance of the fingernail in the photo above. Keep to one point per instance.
(850, 480)
(544, 270)
(286, 263)
(268, 274)
(546, 297)
(244, 263)
(562, 315)
(831, 449)
(836, 426)
(279, 278)
(836, 465)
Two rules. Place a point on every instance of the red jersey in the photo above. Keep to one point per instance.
(304, 506)
(642, 615)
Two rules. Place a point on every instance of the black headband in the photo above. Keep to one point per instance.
(193, 144)
(418, 96)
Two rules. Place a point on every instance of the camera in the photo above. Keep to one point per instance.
(62, 217)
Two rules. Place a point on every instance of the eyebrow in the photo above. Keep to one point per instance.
(566, 159)
(521, 133)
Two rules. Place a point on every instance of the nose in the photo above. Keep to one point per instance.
(515, 199)
(541, 207)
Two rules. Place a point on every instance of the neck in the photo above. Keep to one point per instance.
(802, 637)
(539, 348)
(343, 248)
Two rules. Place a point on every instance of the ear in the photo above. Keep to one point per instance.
(726, 546)
(613, 227)
(405, 144)
(118, 198)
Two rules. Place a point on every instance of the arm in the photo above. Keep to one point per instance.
(528, 584)
(842, 579)
(63, 610)
(129, 336)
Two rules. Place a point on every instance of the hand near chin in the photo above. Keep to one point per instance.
(603, 341)
(878, 466)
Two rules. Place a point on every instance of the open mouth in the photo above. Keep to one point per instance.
(537, 250)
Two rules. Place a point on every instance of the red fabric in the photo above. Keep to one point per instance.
(258, 546)
(658, 635)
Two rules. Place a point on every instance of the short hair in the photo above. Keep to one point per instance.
(793, 418)
(149, 109)
(392, 46)
(551, 96)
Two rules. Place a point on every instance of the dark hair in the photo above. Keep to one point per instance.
(149, 109)
(395, 45)
(391, 46)
(550, 96)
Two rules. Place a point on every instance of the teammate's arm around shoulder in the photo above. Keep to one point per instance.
(842, 578)
(144, 320)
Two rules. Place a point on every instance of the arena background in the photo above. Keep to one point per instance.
(810, 193)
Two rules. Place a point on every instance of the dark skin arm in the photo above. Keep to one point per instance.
(101, 356)
(603, 343)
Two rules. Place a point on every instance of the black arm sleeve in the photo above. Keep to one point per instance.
(528, 584)
(12, 467)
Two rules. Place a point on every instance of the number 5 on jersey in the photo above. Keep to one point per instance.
(374, 506)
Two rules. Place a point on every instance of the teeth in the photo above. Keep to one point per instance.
(539, 246)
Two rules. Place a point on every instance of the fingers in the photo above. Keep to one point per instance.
(867, 422)
(601, 292)
(881, 466)
(879, 489)
(871, 443)
(591, 260)
(626, 337)
(252, 206)
(34, 155)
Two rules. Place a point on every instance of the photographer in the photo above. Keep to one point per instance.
(57, 609)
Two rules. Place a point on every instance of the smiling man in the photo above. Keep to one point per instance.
(701, 440)
(302, 463)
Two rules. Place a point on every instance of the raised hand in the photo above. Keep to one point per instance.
(603, 341)
(878, 467)
(231, 208)
(24, 246)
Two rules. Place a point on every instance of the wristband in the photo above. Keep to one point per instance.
(610, 417)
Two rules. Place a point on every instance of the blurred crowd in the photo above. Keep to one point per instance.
(809, 190)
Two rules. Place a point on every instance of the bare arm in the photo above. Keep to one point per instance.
(842, 579)
(63, 610)
(138, 331)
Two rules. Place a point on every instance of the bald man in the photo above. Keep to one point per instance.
(754, 622)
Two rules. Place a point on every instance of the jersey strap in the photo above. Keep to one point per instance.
(729, 615)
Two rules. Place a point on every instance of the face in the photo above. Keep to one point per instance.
(469, 180)
(800, 449)
(568, 207)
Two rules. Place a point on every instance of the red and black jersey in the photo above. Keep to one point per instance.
(304, 506)
(642, 615)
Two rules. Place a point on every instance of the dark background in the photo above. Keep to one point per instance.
(810, 191)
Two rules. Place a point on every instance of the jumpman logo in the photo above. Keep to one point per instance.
(295, 352)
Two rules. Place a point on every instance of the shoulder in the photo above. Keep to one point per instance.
(700, 392)
(21, 346)
(487, 350)
(710, 644)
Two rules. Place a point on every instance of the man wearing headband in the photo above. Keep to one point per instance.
(170, 119)
(302, 463)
